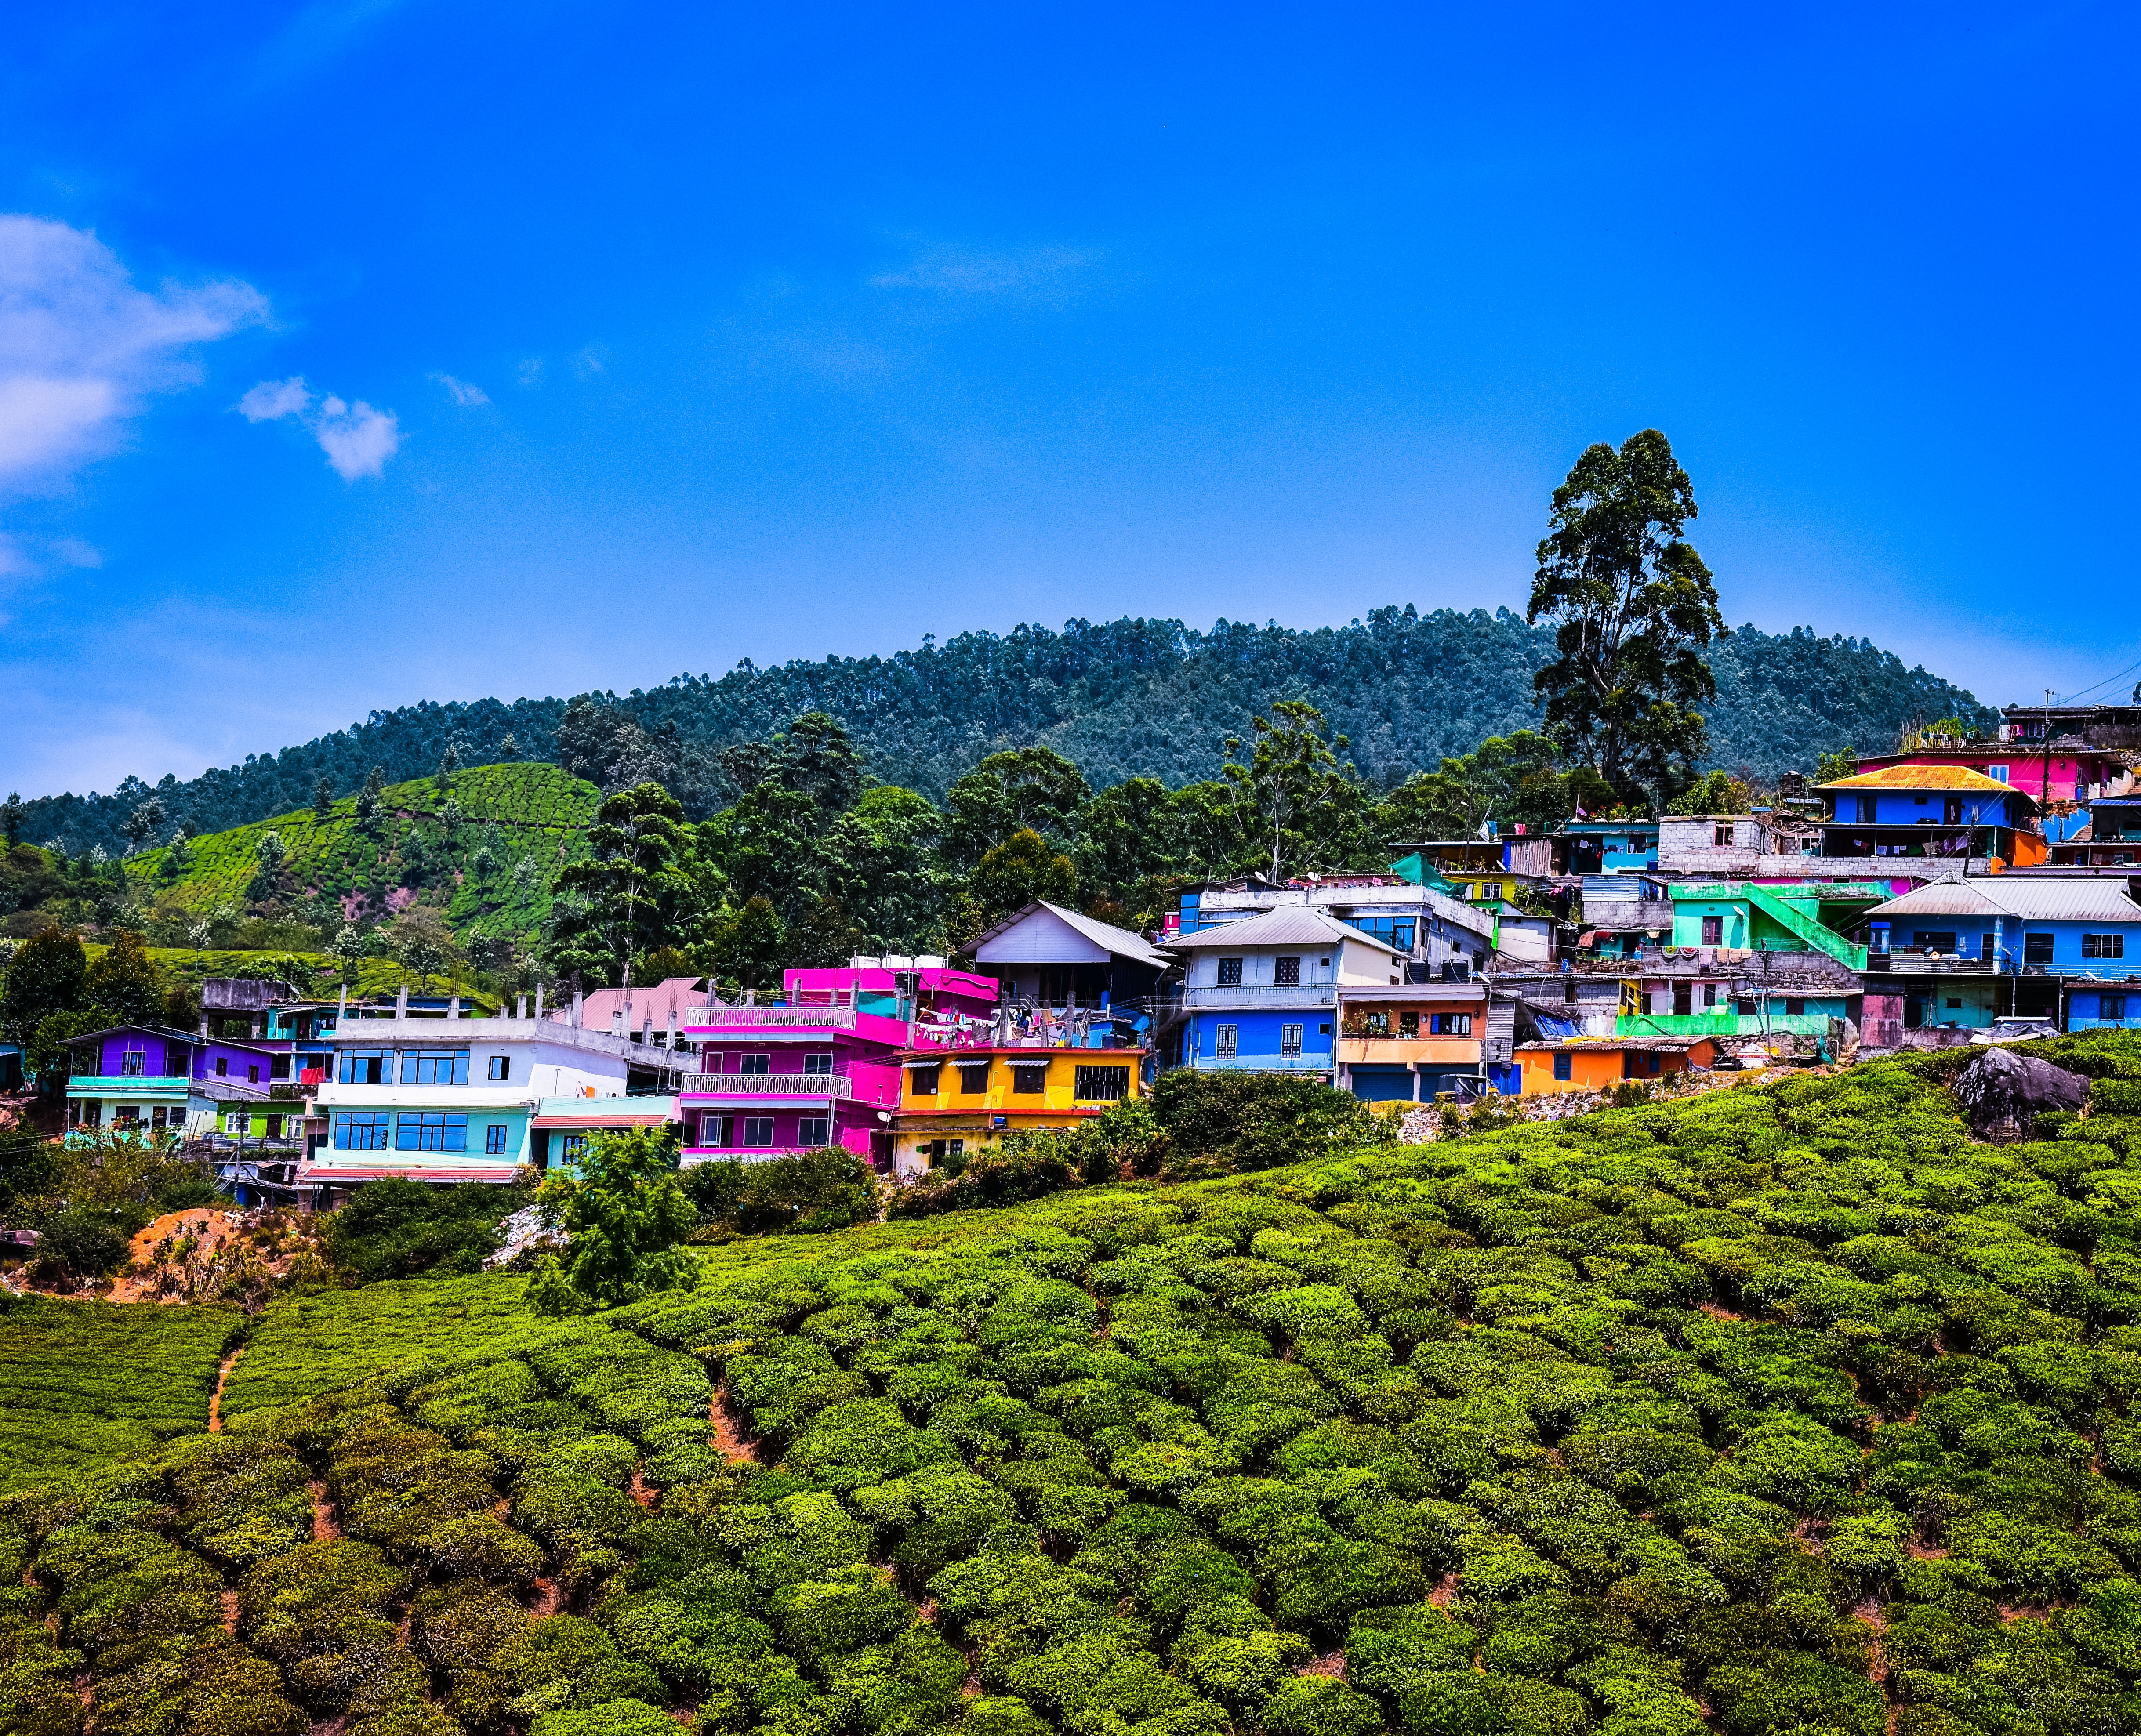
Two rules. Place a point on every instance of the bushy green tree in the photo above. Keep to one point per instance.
(623, 1212)
(126, 985)
(633, 890)
(1027, 788)
(45, 976)
(1633, 606)
(1021, 869)
(1304, 804)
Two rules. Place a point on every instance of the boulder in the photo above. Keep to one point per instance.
(2002, 1092)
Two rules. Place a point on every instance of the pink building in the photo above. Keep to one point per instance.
(2078, 771)
(819, 1067)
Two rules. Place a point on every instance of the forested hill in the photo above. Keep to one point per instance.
(1119, 697)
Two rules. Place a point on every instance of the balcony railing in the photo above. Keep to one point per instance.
(766, 1084)
(766, 1018)
(1312, 995)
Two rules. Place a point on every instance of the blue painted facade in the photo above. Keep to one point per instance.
(2057, 947)
(1928, 807)
(2091, 1008)
(1260, 1040)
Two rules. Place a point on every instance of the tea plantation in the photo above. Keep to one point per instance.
(1788, 1409)
(491, 856)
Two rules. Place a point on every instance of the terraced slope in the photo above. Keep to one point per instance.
(494, 865)
(1789, 1410)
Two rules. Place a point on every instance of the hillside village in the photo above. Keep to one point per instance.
(463, 978)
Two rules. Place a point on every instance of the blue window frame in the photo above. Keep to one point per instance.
(361, 1130)
(435, 1066)
(494, 1139)
(366, 1067)
(1391, 931)
(1564, 1066)
(430, 1130)
(2112, 1007)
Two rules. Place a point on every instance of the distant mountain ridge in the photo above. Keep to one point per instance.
(1121, 698)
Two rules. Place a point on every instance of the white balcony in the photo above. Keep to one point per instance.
(1314, 995)
(766, 1084)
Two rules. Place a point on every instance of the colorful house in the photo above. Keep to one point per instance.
(1611, 847)
(440, 1100)
(2029, 925)
(1412, 1042)
(2094, 1006)
(1929, 811)
(1050, 956)
(964, 1090)
(1598, 1064)
(1738, 916)
(1262, 995)
(821, 1066)
(150, 1080)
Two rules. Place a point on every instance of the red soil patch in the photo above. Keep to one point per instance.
(230, 1613)
(549, 1598)
(728, 1439)
(215, 1398)
(1444, 1593)
(326, 1527)
(1331, 1664)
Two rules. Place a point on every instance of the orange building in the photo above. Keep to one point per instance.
(1598, 1064)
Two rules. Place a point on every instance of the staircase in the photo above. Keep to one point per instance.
(1785, 914)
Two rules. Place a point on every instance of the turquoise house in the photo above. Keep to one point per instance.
(1739, 916)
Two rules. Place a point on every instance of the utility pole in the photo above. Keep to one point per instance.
(2045, 788)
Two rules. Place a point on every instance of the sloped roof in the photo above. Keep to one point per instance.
(1292, 925)
(653, 1001)
(1122, 942)
(1924, 777)
(2031, 900)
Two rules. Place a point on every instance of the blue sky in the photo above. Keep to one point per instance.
(352, 354)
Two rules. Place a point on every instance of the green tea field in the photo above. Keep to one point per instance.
(1783, 1410)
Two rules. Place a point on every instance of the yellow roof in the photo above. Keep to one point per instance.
(1923, 777)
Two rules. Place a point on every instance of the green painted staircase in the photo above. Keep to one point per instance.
(1785, 914)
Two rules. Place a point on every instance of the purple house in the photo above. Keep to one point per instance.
(820, 1067)
(146, 1078)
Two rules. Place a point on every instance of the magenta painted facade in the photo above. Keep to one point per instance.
(2013, 764)
(819, 1068)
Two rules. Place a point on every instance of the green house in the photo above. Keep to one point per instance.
(1740, 915)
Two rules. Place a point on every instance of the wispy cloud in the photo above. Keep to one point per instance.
(357, 438)
(461, 392)
(81, 347)
(530, 372)
(952, 270)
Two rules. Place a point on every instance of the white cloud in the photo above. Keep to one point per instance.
(82, 347)
(272, 399)
(965, 271)
(357, 439)
(466, 396)
(531, 371)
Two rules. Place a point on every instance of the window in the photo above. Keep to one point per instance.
(1951, 811)
(1708, 995)
(222, 1066)
(133, 1064)
(1450, 1024)
(1409, 1024)
(435, 1066)
(1933, 940)
(1392, 930)
(1568, 994)
(1721, 836)
(1867, 810)
(2111, 1006)
(1795, 1005)
(501, 1066)
(1230, 973)
(815, 1130)
(235, 1123)
(1289, 1042)
(494, 1139)
(754, 1063)
(1956, 1002)
(366, 1067)
(1683, 994)
(2103, 946)
(1564, 1066)
(924, 1081)
(574, 1147)
(758, 1130)
(1985, 945)
(1102, 1084)
(1745, 1006)
(1227, 1037)
(1713, 930)
(1377, 1023)
(973, 1078)
(717, 1129)
(2036, 949)
(821, 1064)
(430, 1130)
(1285, 973)
(1029, 1079)
(360, 1130)
(1998, 773)
(253, 1072)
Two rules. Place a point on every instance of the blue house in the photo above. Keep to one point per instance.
(1927, 810)
(1262, 995)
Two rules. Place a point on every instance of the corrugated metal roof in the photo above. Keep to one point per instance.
(1923, 777)
(1295, 925)
(2031, 900)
